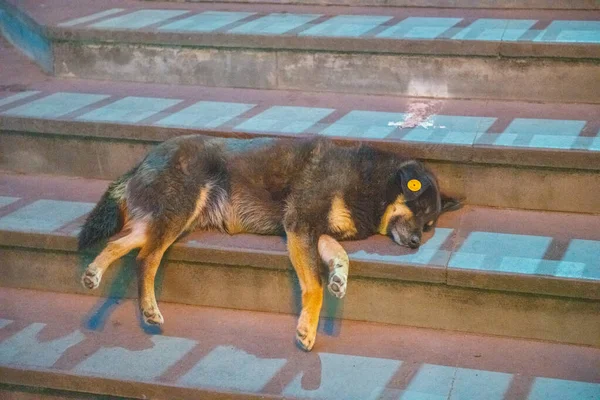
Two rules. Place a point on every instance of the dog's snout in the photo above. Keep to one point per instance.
(414, 241)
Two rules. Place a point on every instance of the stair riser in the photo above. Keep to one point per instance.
(481, 184)
(276, 290)
(534, 79)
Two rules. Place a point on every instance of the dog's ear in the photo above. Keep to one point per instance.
(450, 203)
(412, 179)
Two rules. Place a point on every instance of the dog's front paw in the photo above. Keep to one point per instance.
(305, 337)
(91, 278)
(338, 282)
(152, 316)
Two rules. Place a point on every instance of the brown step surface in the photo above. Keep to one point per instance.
(96, 345)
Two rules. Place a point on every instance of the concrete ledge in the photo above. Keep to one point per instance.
(368, 45)
(121, 388)
(275, 290)
(464, 171)
(444, 68)
(348, 72)
(509, 4)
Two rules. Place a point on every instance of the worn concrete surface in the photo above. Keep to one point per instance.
(401, 75)
(253, 352)
(513, 273)
(138, 45)
(509, 4)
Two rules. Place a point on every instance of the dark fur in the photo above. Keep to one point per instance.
(263, 186)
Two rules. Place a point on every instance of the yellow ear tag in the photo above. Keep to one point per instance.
(414, 185)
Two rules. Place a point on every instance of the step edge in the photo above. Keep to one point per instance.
(586, 160)
(363, 269)
(63, 380)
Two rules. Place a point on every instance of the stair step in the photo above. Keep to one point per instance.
(447, 53)
(491, 271)
(502, 4)
(99, 129)
(95, 345)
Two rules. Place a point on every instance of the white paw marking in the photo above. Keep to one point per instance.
(338, 283)
(91, 278)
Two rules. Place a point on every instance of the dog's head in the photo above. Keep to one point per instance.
(413, 204)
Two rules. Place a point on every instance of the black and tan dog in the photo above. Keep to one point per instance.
(313, 191)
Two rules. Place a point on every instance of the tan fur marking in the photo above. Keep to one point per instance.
(340, 218)
(312, 289)
(200, 203)
(397, 208)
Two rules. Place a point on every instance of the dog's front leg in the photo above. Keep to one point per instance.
(336, 259)
(303, 254)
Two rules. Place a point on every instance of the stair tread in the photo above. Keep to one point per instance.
(496, 249)
(491, 32)
(78, 339)
(481, 131)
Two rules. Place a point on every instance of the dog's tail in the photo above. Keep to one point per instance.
(106, 218)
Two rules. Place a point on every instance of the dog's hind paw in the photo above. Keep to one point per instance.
(91, 278)
(152, 316)
(338, 282)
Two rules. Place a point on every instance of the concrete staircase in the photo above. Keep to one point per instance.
(503, 103)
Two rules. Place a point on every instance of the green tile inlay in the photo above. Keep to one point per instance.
(285, 119)
(44, 215)
(138, 19)
(6, 200)
(129, 109)
(55, 105)
(364, 124)
(205, 114)
(16, 97)
(206, 22)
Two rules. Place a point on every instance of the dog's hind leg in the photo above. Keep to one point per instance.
(305, 261)
(336, 259)
(149, 261)
(116, 248)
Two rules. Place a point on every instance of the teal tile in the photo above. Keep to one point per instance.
(449, 129)
(129, 109)
(495, 29)
(44, 215)
(433, 382)
(284, 119)
(274, 24)
(205, 22)
(25, 349)
(345, 26)
(5, 322)
(571, 32)
(419, 28)
(559, 389)
(429, 253)
(16, 97)
(364, 124)
(345, 377)
(55, 105)
(229, 368)
(138, 19)
(146, 364)
(92, 17)
(500, 252)
(4, 200)
(540, 133)
(545, 126)
(205, 114)
(585, 254)
(524, 254)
